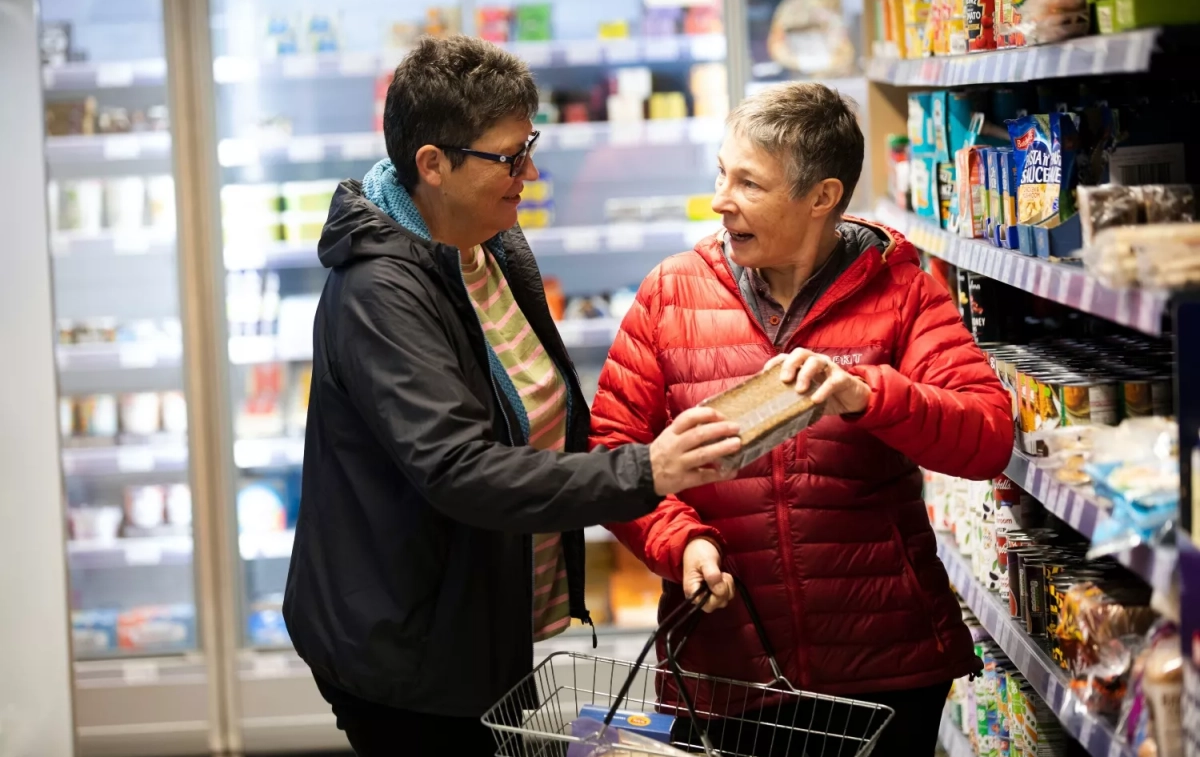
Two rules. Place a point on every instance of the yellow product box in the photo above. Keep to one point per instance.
(538, 191)
(699, 208)
(668, 105)
(303, 227)
(535, 218)
(614, 29)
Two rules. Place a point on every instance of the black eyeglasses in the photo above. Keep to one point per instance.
(515, 162)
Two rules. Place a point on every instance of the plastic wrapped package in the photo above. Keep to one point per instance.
(1100, 633)
(1167, 203)
(1151, 715)
(1136, 467)
(1106, 206)
(1046, 21)
(1164, 255)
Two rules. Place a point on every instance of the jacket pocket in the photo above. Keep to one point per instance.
(910, 576)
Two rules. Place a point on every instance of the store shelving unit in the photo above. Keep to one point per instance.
(89, 75)
(108, 148)
(1049, 680)
(1070, 285)
(125, 459)
(147, 241)
(119, 356)
(130, 552)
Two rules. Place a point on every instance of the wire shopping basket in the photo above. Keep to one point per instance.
(734, 719)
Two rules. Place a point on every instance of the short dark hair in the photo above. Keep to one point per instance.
(450, 91)
(811, 128)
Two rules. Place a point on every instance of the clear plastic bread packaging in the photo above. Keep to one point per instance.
(768, 412)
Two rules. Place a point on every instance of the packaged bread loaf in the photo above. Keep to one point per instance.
(768, 412)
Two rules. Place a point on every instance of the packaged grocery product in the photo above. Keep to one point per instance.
(924, 189)
(1136, 467)
(145, 506)
(1158, 255)
(1008, 198)
(634, 733)
(174, 413)
(970, 174)
(125, 203)
(921, 137)
(492, 23)
(995, 209)
(160, 202)
(93, 632)
(1044, 147)
(156, 627)
(179, 505)
(533, 22)
(767, 412)
(980, 21)
(947, 206)
(1104, 206)
(141, 413)
(260, 509)
(97, 416)
(1039, 22)
(1167, 203)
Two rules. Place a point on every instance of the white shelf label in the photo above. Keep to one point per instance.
(137, 356)
(135, 460)
(228, 70)
(359, 64)
(363, 147)
(270, 666)
(122, 147)
(581, 240)
(140, 672)
(625, 238)
(664, 132)
(536, 54)
(248, 454)
(626, 134)
(584, 53)
(1064, 286)
(143, 552)
(661, 49)
(708, 47)
(49, 78)
(114, 75)
(622, 51)
(306, 150)
(244, 259)
(575, 136)
(298, 66)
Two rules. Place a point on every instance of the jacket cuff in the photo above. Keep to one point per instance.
(884, 407)
(690, 534)
(645, 483)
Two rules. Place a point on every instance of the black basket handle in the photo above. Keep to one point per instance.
(684, 619)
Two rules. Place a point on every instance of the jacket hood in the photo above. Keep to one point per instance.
(356, 229)
(861, 236)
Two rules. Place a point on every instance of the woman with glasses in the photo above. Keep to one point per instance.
(446, 477)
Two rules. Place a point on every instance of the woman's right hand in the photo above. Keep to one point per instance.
(696, 439)
(702, 565)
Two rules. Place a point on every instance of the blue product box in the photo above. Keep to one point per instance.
(1008, 198)
(995, 216)
(1062, 241)
(924, 187)
(921, 139)
(951, 122)
(93, 631)
(652, 725)
(986, 162)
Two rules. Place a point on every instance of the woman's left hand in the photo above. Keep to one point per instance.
(842, 393)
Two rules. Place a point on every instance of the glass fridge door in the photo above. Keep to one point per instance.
(810, 40)
(633, 96)
(123, 412)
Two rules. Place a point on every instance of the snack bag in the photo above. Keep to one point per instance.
(1044, 147)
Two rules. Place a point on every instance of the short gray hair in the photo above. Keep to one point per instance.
(449, 92)
(811, 128)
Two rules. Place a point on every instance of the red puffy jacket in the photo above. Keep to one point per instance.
(828, 531)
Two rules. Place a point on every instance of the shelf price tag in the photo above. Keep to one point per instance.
(140, 672)
(708, 47)
(536, 54)
(135, 460)
(625, 238)
(122, 147)
(114, 75)
(626, 134)
(49, 78)
(584, 53)
(1089, 295)
(305, 150)
(575, 136)
(581, 240)
(126, 243)
(662, 49)
(622, 51)
(143, 552)
(137, 356)
(298, 66)
(664, 132)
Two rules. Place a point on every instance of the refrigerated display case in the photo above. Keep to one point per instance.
(141, 666)
(633, 97)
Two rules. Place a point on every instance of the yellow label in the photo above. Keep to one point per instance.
(638, 720)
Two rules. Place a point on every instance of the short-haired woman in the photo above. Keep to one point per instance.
(446, 475)
(828, 532)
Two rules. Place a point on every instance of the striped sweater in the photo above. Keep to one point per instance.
(543, 395)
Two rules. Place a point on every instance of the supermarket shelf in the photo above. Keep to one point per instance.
(170, 457)
(952, 739)
(657, 237)
(1047, 678)
(1140, 309)
(149, 241)
(133, 552)
(84, 75)
(553, 54)
(1082, 510)
(283, 452)
(255, 350)
(118, 356)
(100, 148)
(1125, 53)
(268, 546)
(370, 145)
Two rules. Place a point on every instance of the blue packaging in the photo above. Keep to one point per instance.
(995, 216)
(951, 122)
(923, 186)
(985, 186)
(93, 631)
(1008, 199)
(651, 725)
(921, 140)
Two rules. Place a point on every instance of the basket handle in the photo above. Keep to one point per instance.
(683, 619)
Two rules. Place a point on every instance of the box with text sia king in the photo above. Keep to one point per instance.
(768, 413)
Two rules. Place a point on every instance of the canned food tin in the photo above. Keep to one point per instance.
(1091, 402)
(1162, 398)
(1136, 398)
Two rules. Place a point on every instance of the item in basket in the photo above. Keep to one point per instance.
(1044, 147)
(767, 412)
(652, 725)
(596, 740)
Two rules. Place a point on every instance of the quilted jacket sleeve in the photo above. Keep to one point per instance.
(631, 406)
(942, 405)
